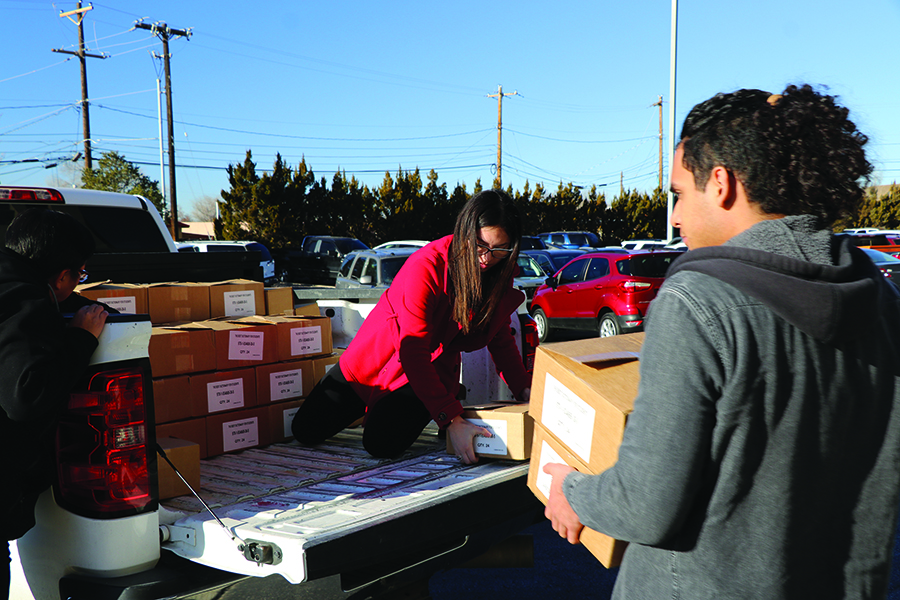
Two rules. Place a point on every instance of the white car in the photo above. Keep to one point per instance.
(267, 263)
(401, 244)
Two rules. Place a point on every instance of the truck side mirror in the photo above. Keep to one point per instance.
(365, 280)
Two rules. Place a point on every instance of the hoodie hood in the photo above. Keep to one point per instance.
(825, 301)
(16, 268)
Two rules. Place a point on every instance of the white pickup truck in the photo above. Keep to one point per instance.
(281, 521)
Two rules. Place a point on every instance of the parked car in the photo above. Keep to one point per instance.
(571, 239)
(643, 244)
(552, 259)
(318, 261)
(861, 230)
(266, 261)
(887, 264)
(401, 244)
(602, 292)
(532, 242)
(531, 277)
(372, 268)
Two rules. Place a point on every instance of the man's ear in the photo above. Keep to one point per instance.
(725, 186)
(57, 281)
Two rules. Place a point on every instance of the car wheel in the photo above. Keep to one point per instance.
(543, 325)
(608, 325)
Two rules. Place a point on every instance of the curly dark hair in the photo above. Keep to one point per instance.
(795, 153)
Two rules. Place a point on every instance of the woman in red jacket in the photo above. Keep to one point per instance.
(402, 368)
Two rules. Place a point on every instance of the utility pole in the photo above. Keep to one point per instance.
(499, 96)
(659, 103)
(82, 55)
(164, 33)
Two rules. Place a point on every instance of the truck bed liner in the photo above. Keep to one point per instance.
(322, 509)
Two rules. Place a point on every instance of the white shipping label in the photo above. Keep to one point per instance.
(288, 419)
(569, 417)
(495, 445)
(240, 304)
(240, 434)
(306, 340)
(225, 395)
(285, 385)
(245, 345)
(543, 481)
(123, 304)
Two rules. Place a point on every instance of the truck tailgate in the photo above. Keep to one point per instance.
(335, 509)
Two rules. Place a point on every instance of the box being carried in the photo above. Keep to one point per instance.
(545, 450)
(581, 396)
(512, 430)
(583, 391)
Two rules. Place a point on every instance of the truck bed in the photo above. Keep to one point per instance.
(335, 510)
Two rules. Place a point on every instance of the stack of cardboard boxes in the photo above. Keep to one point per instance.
(231, 362)
(581, 396)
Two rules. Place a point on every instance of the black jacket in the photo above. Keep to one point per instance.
(40, 359)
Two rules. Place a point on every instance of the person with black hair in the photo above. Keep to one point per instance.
(762, 457)
(401, 370)
(41, 356)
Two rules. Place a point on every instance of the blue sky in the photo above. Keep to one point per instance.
(369, 87)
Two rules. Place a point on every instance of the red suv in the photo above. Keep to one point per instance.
(603, 292)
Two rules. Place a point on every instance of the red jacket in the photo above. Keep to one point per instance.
(410, 336)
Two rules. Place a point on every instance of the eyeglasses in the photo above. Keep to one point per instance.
(82, 276)
(494, 252)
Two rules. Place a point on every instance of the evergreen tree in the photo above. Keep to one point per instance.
(115, 174)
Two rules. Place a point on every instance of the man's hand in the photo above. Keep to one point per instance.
(91, 318)
(564, 520)
(461, 434)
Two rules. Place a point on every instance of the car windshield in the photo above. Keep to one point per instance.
(529, 268)
(390, 267)
(346, 245)
(647, 265)
(561, 258)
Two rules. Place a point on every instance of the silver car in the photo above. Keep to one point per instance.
(371, 268)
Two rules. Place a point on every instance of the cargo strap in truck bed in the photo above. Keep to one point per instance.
(315, 512)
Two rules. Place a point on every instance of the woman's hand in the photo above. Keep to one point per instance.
(462, 434)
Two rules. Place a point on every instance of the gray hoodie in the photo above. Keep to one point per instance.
(762, 459)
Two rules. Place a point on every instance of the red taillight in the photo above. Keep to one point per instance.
(30, 194)
(530, 341)
(102, 447)
(634, 286)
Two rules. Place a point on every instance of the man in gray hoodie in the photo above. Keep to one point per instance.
(762, 458)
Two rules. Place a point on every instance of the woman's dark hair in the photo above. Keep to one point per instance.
(53, 240)
(795, 153)
(476, 294)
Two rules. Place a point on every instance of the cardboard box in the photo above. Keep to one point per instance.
(512, 428)
(307, 309)
(281, 415)
(127, 298)
(172, 399)
(177, 302)
(222, 391)
(302, 337)
(323, 364)
(233, 431)
(583, 391)
(546, 449)
(185, 455)
(182, 349)
(240, 344)
(280, 301)
(193, 430)
(284, 381)
(236, 298)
